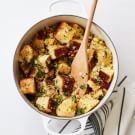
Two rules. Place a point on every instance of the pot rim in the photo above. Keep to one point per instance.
(52, 116)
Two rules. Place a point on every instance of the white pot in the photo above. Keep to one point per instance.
(97, 30)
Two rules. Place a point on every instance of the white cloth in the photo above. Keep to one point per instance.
(113, 118)
(121, 115)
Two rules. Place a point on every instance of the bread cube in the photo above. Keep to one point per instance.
(64, 83)
(33, 72)
(43, 61)
(50, 41)
(63, 68)
(57, 51)
(79, 30)
(27, 86)
(74, 45)
(65, 33)
(106, 74)
(38, 43)
(26, 54)
(87, 103)
(46, 88)
(92, 59)
(25, 68)
(94, 86)
(98, 94)
(67, 108)
(44, 103)
(105, 56)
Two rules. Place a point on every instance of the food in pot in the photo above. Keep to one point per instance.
(45, 64)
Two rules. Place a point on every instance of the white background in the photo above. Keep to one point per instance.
(116, 17)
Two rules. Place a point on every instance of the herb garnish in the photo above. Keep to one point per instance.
(74, 99)
(100, 97)
(58, 99)
(53, 65)
(82, 86)
(40, 107)
(80, 111)
(40, 74)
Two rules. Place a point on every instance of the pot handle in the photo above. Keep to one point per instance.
(46, 121)
(53, 3)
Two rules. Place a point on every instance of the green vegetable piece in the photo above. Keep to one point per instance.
(40, 74)
(82, 86)
(80, 111)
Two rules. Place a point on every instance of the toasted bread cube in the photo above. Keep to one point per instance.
(79, 30)
(50, 74)
(38, 43)
(26, 54)
(27, 86)
(87, 102)
(44, 104)
(92, 59)
(67, 108)
(104, 56)
(65, 33)
(93, 86)
(63, 68)
(33, 72)
(64, 83)
(46, 88)
(50, 41)
(106, 74)
(43, 61)
(57, 51)
(74, 45)
(25, 67)
(98, 94)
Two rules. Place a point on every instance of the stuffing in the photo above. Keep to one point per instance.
(33, 72)
(93, 85)
(25, 68)
(106, 74)
(46, 88)
(45, 68)
(57, 51)
(87, 102)
(43, 61)
(79, 30)
(27, 86)
(92, 58)
(50, 41)
(45, 104)
(63, 68)
(50, 74)
(64, 83)
(104, 57)
(67, 108)
(65, 33)
(38, 43)
(104, 54)
(98, 94)
(26, 54)
(74, 45)
(41, 34)
(95, 71)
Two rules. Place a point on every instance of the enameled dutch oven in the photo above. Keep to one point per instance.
(97, 30)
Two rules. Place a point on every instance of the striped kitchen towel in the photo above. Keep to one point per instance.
(113, 118)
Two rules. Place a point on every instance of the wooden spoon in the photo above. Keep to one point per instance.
(79, 67)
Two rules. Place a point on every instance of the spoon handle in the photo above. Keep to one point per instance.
(89, 23)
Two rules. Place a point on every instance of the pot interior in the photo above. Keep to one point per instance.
(72, 19)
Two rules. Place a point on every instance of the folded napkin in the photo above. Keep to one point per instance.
(113, 118)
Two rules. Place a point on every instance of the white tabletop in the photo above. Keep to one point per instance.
(116, 17)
